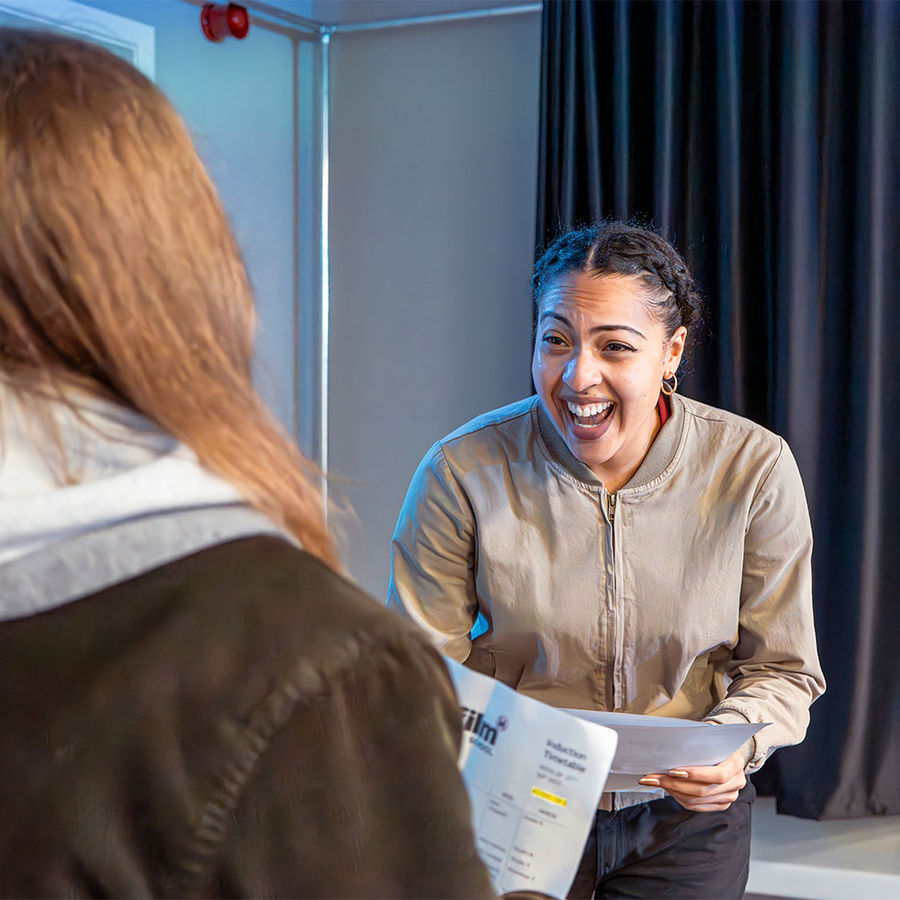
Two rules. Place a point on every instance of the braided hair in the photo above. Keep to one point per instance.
(619, 248)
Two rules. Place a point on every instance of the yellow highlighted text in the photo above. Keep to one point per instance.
(546, 795)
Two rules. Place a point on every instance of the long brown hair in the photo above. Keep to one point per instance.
(119, 271)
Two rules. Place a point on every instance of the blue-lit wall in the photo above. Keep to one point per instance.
(433, 181)
(433, 186)
(237, 98)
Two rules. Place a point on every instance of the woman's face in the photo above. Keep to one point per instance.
(599, 361)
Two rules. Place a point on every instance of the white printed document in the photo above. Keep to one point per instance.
(534, 776)
(535, 773)
(658, 743)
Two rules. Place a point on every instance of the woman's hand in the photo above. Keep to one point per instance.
(703, 788)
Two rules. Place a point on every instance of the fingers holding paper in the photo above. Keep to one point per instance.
(703, 788)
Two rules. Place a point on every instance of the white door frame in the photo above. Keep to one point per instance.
(93, 24)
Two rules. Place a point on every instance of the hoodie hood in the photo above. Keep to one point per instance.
(124, 498)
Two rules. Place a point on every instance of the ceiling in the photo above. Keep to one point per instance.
(344, 12)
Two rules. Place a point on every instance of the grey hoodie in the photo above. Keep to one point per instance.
(128, 499)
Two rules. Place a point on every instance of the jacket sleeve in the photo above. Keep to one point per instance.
(774, 671)
(432, 558)
(357, 793)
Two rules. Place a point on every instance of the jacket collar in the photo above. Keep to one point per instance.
(659, 456)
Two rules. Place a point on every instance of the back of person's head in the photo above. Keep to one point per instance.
(119, 273)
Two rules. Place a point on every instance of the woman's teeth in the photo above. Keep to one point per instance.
(590, 415)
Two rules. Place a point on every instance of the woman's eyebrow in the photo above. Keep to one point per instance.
(618, 328)
(549, 314)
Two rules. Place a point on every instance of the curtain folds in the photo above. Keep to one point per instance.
(762, 138)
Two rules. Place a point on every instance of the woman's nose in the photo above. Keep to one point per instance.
(582, 371)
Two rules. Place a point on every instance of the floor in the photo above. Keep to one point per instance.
(764, 897)
(840, 859)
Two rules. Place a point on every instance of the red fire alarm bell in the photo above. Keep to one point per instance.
(219, 20)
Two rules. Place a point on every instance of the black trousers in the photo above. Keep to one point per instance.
(660, 849)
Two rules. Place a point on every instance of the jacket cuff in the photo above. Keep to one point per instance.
(754, 754)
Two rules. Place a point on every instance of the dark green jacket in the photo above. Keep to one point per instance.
(241, 721)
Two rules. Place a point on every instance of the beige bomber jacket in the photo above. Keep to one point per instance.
(686, 593)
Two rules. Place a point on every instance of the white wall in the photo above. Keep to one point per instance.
(433, 180)
(237, 98)
(433, 174)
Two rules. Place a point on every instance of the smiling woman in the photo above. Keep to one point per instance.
(630, 550)
(599, 361)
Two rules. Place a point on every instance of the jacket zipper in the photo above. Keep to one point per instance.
(614, 696)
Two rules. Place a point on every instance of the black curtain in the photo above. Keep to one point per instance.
(762, 138)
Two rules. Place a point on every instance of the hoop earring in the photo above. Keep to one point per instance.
(669, 389)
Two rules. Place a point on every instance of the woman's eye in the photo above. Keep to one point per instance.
(553, 339)
(618, 347)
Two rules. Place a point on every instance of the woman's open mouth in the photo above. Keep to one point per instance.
(590, 415)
